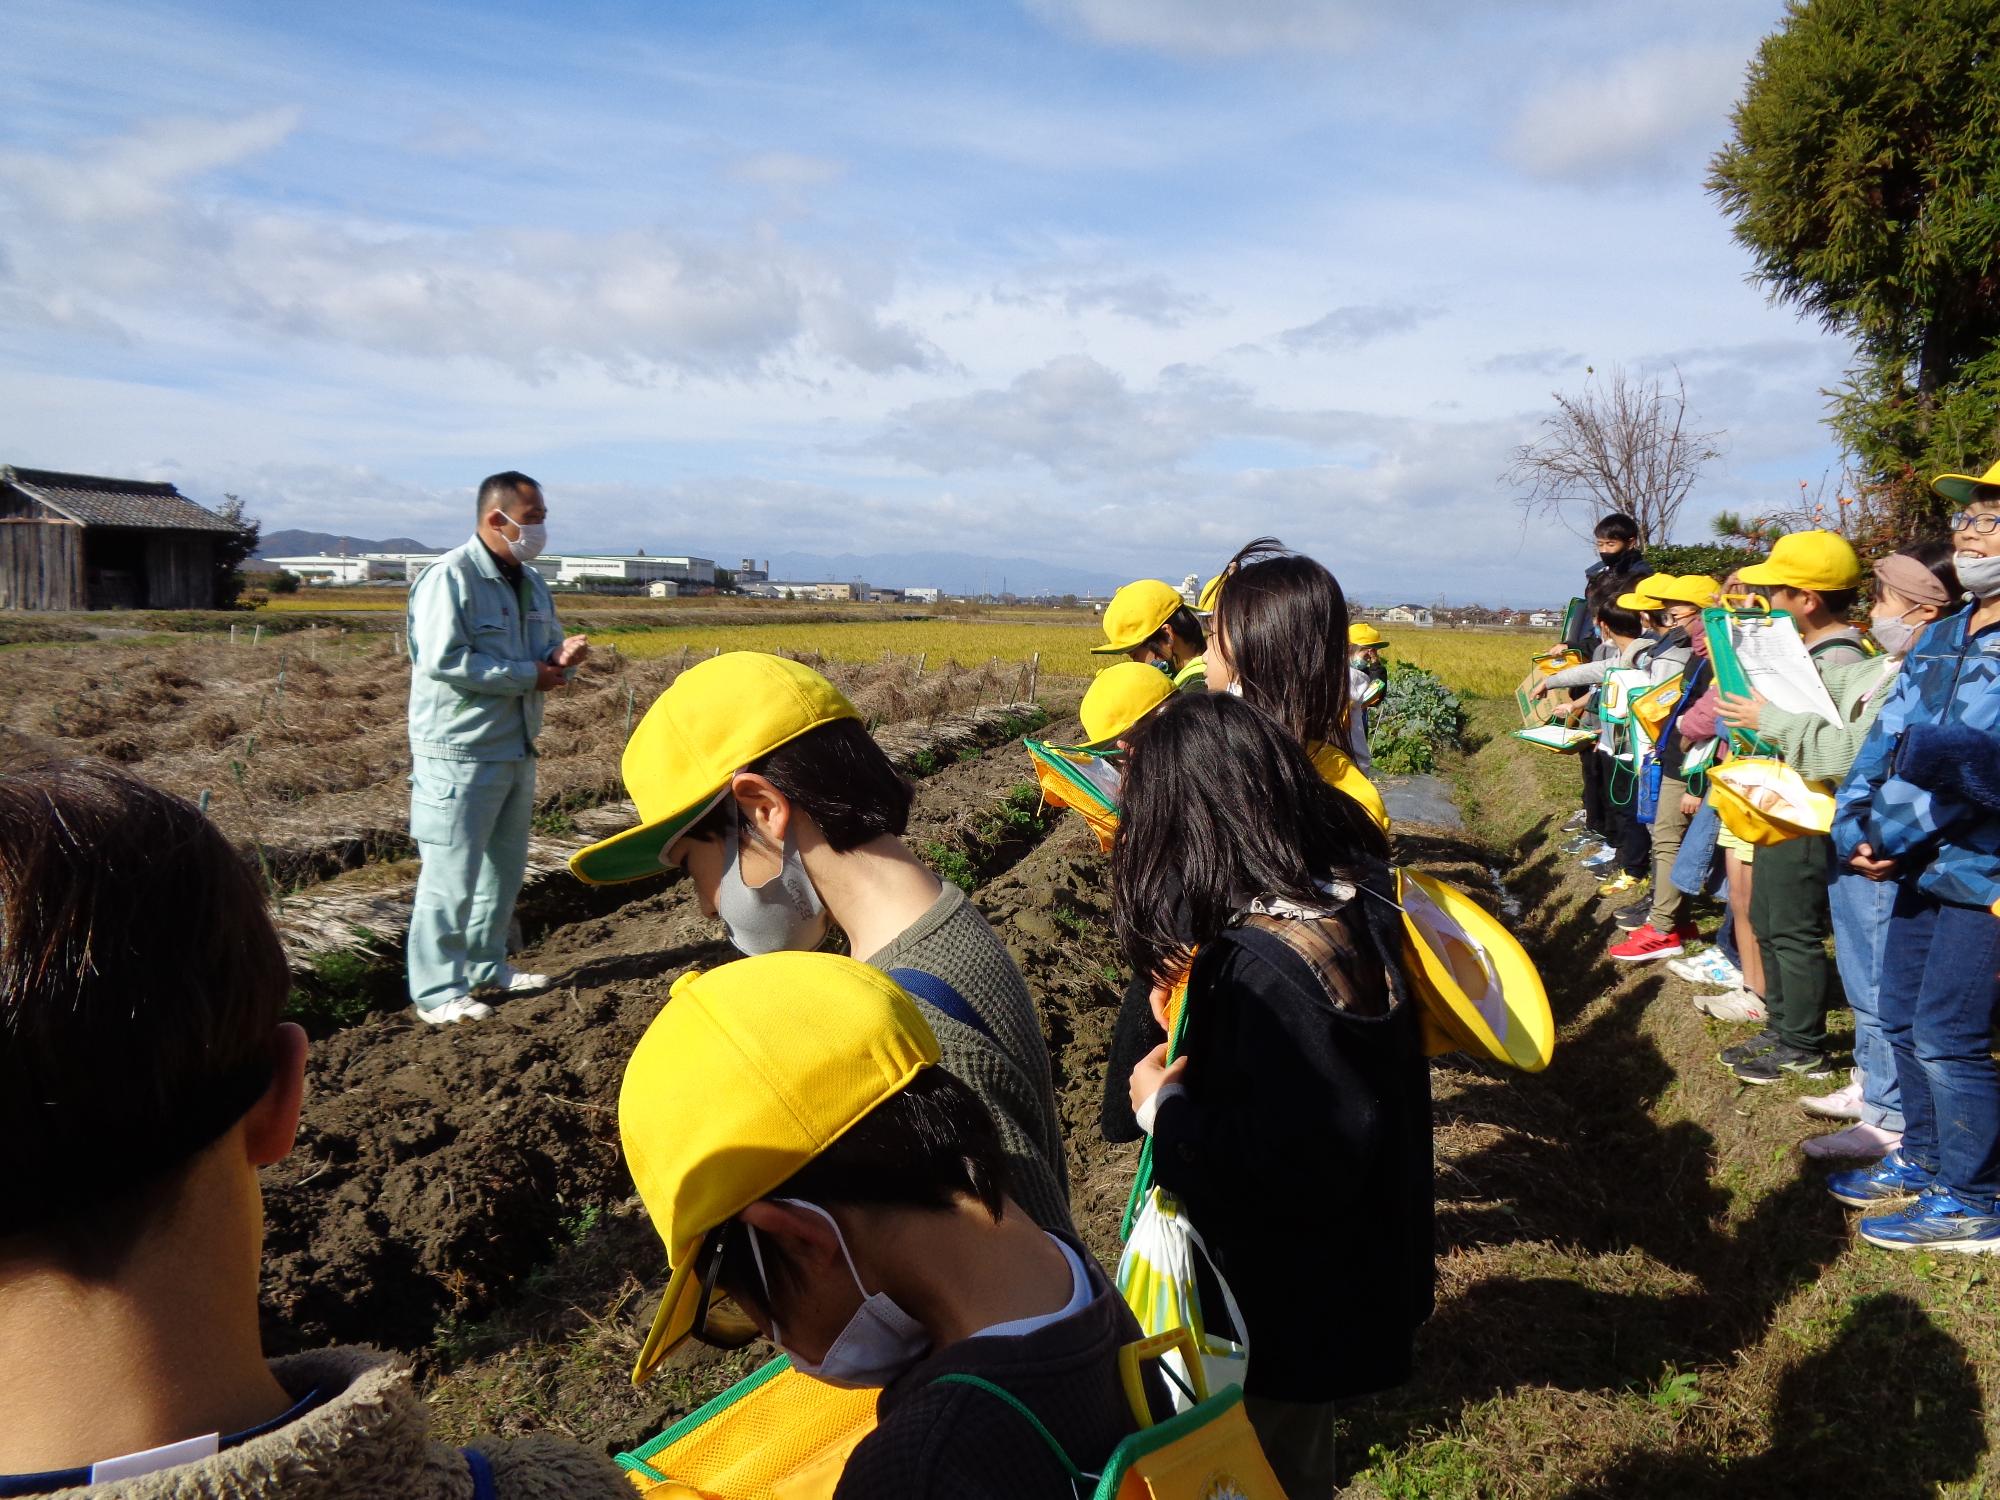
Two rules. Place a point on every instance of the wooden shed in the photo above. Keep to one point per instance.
(78, 541)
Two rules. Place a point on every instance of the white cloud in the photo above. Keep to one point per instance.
(787, 170)
(1213, 28)
(1351, 327)
(1544, 361)
(120, 236)
(1648, 112)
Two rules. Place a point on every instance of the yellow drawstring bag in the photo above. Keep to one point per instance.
(774, 1435)
(1765, 801)
(1080, 779)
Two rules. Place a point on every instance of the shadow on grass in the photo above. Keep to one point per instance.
(1649, 1272)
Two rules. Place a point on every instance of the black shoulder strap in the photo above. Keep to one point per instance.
(939, 995)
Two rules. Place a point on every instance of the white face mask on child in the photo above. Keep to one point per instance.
(1979, 574)
(1893, 633)
(880, 1341)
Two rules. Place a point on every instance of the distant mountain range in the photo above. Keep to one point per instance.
(327, 544)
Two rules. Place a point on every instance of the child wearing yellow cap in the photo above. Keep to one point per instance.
(754, 775)
(1149, 621)
(830, 1188)
(1815, 577)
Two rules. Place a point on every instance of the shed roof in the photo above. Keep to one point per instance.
(93, 500)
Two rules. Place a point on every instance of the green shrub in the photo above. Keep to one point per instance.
(1418, 719)
(1715, 559)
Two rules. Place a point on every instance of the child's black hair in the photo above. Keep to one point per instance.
(1616, 527)
(1615, 619)
(837, 775)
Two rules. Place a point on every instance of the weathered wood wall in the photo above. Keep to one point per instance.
(41, 565)
(180, 570)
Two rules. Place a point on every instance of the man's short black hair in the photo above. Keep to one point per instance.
(496, 491)
(838, 775)
(140, 988)
(1617, 527)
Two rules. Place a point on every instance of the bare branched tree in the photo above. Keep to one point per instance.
(1622, 443)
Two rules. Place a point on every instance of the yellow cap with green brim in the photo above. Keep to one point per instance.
(1135, 615)
(1958, 488)
(1120, 697)
(713, 720)
(749, 1072)
(1361, 633)
(1692, 588)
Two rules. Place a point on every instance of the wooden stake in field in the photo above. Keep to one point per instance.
(1034, 675)
(257, 636)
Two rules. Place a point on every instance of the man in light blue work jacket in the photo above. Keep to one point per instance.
(485, 647)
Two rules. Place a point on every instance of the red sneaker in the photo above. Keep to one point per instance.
(1647, 944)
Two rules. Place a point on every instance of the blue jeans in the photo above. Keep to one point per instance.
(471, 820)
(1936, 1007)
(1861, 909)
(1698, 867)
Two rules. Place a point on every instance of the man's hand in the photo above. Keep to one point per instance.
(548, 677)
(1865, 862)
(573, 651)
(1153, 1072)
(1690, 804)
(1742, 713)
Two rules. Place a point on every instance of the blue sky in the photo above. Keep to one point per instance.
(1118, 283)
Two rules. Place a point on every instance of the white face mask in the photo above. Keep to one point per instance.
(880, 1341)
(1893, 633)
(1979, 574)
(528, 545)
(784, 913)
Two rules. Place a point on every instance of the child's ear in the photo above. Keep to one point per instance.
(273, 1121)
(765, 809)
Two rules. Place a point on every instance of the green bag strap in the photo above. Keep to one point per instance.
(979, 1383)
(1142, 1180)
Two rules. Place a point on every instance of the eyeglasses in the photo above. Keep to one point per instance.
(718, 1321)
(1984, 524)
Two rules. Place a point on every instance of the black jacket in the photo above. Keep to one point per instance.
(1301, 1149)
(1582, 637)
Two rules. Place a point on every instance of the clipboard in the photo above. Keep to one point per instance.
(1762, 650)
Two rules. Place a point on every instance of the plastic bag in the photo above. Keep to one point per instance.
(1169, 1282)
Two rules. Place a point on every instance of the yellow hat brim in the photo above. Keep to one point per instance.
(1958, 488)
(1111, 648)
(1639, 602)
(671, 1324)
(636, 853)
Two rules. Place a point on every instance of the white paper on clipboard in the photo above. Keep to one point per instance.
(1778, 665)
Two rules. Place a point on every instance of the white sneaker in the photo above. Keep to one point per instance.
(1856, 1143)
(1841, 1104)
(1690, 969)
(1736, 1005)
(458, 1008)
(515, 982)
(1719, 971)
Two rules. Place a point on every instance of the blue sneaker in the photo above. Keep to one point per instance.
(1938, 1220)
(1890, 1180)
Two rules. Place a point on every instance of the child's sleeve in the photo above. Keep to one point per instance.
(1854, 816)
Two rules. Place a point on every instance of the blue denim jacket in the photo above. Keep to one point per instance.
(475, 641)
(1951, 846)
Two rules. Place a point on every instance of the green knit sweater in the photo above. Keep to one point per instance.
(954, 942)
(1822, 751)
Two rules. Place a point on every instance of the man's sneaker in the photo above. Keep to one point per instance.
(514, 981)
(1841, 1104)
(1623, 884)
(1938, 1220)
(1859, 1142)
(1632, 918)
(1575, 821)
(1734, 1005)
(1648, 944)
(1890, 1180)
(1781, 1062)
(458, 1008)
(1757, 1046)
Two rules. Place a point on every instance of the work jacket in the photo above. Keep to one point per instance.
(475, 642)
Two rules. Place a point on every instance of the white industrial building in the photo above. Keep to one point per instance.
(343, 570)
(637, 569)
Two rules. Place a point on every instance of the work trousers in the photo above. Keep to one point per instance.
(1861, 909)
(1936, 1005)
(471, 820)
(1297, 1438)
(1788, 912)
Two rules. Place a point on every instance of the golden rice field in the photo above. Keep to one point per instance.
(1487, 664)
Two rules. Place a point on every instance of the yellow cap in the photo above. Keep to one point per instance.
(1807, 560)
(1641, 602)
(1210, 592)
(732, 1090)
(1360, 633)
(1957, 488)
(712, 721)
(1643, 596)
(1136, 613)
(1120, 697)
(1690, 588)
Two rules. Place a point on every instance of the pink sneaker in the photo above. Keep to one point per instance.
(1841, 1104)
(1856, 1143)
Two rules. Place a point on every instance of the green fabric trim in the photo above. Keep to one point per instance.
(702, 1414)
(980, 1383)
